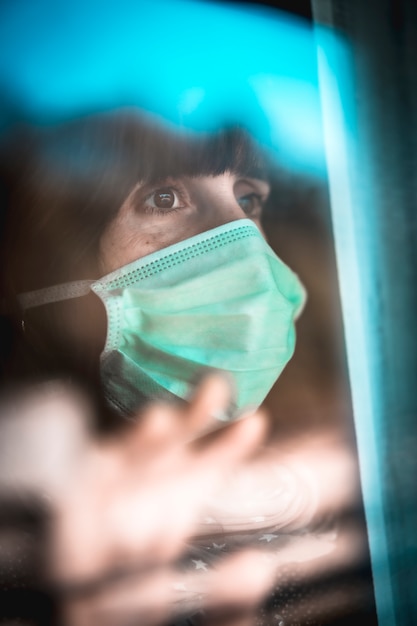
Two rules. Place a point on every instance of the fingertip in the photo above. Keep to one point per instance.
(232, 442)
(158, 425)
(218, 382)
(212, 401)
(251, 428)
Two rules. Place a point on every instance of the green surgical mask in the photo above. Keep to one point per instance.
(221, 300)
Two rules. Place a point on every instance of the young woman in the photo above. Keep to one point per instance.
(134, 263)
(109, 216)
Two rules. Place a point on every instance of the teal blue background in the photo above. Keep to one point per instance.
(194, 64)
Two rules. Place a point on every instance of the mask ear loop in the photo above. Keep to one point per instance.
(56, 293)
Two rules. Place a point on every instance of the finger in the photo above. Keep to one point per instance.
(159, 427)
(210, 403)
(231, 443)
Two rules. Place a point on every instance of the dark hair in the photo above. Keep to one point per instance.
(70, 181)
(62, 185)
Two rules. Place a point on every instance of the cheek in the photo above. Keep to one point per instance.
(132, 235)
(120, 246)
(126, 240)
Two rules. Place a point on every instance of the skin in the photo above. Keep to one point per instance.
(198, 204)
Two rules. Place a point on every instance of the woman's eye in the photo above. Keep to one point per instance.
(165, 199)
(251, 204)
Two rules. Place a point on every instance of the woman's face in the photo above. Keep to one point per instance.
(156, 216)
